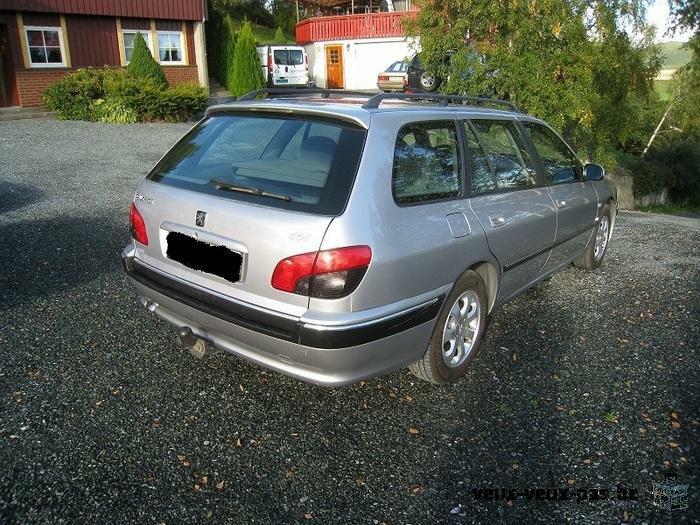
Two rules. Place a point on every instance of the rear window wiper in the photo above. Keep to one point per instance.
(219, 185)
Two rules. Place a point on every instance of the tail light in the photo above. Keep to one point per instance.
(138, 227)
(405, 81)
(306, 61)
(383, 77)
(269, 61)
(327, 274)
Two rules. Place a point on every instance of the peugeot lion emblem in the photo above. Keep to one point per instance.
(201, 218)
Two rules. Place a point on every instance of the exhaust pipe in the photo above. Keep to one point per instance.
(196, 346)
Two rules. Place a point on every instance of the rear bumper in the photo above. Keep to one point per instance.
(322, 354)
(388, 85)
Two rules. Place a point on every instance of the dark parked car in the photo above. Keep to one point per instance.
(419, 78)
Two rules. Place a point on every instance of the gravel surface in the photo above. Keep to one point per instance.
(587, 381)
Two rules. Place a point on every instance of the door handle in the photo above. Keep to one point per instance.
(497, 221)
(561, 204)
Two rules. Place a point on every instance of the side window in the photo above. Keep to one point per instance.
(482, 178)
(559, 162)
(426, 162)
(506, 154)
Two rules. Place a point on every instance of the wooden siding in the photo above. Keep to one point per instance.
(10, 20)
(349, 27)
(41, 19)
(9, 38)
(93, 41)
(189, 38)
(170, 9)
(168, 25)
(136, 23)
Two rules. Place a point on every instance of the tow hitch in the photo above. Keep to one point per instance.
(196, 346)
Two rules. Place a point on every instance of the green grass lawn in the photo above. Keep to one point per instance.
(671, 209)
(663, 88)
(262, 34)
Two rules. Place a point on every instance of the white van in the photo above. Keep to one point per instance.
(284, 66)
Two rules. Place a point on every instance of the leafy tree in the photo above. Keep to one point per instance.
(279, 37)
(685, 14)
(284, 13)
(143, 65)
(254, 10)
(567, 61)
(625, 105)
(685, 114)
(245, 74)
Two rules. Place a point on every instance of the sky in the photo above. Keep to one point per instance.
(657, 14)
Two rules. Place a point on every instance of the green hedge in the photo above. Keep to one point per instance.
(113, 95)
(143, 65)
(245, 75)
(674, 165)
(681, 157)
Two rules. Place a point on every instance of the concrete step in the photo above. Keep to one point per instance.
(18, 113)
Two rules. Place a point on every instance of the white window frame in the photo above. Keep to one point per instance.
(61, 44)
(147, 36)
(181, 62)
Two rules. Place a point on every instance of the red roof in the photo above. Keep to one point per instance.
(163, 9)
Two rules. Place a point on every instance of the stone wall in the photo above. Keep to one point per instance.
(624, 182)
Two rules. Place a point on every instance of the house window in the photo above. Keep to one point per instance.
(129, 37)
(45, 45)
(170, 47)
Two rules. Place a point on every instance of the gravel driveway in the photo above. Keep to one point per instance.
(587, 382)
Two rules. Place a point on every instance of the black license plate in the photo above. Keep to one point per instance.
(204, 257)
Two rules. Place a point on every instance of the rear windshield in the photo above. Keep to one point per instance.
(301, 163)
(288, 57)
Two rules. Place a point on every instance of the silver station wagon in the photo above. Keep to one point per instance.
(336, 236)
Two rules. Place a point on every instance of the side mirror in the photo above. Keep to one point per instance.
(593, 171)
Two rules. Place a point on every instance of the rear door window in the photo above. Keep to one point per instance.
(288, 57)
(426, 163)
(482, 178)
(506, 154)
(559, 162)
(293, 163)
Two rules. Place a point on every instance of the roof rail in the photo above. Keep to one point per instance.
(300, 92)
(443, 100)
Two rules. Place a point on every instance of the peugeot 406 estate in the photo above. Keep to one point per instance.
(337, 236)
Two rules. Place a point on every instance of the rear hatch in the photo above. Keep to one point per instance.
(241, 192)
(289, 65)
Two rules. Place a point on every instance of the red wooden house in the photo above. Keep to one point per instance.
(43, 40)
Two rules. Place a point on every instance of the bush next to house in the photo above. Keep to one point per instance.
(74, 96)
(279, 37)
(117, 96)
(681, 158)
(245, 74)
(143, 65)
(221, 41)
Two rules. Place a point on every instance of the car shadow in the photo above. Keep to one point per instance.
(45, 256)
(393, 442)
(14, 196)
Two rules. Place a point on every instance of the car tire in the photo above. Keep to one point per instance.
(428, 82)
(462, 318)
(597, 245)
